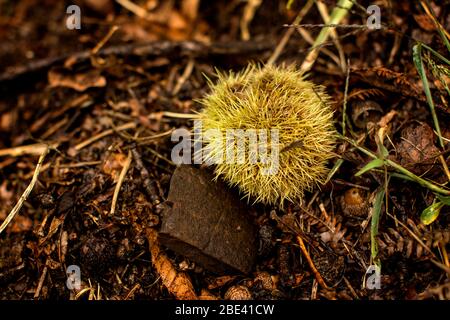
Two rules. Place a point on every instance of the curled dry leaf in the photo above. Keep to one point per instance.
(425, 22)
(365, 111)
(417, 151)
(59, 77)
(178, 283)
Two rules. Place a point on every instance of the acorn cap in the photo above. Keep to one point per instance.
(354, 202)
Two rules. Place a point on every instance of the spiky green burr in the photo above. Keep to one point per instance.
(268, 98)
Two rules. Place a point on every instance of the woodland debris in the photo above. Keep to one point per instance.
(416, 150)
(26, 193)
(78, 81)
(147, 49)
(178, 283)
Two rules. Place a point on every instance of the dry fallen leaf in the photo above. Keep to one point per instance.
(77, 81)
(113, 165)
(178, 283)
(417, 151)
(425, 22)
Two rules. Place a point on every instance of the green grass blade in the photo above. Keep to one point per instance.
(376, 163)
(444, 199)
(417, 57)
(401, 171)
(376, 214)
(436, 54)
(333, 171)
(438, 26)
(338, 13)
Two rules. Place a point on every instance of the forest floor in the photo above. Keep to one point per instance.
(92, 110)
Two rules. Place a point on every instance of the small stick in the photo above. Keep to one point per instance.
(184, 77)
(289, 32)
(119, 182)
(137, 10)
(81, 292)
(41, 281)
(349, 285)
(338, 13)
(80, 164)
(131, 124)
(153, 48)
(43, 168)
(311, 263)
(174, 115)
(33, 149)
(132, 291)
(100, 45)
(309, 39)
(247, 17)
(440, 265)
(334, 35)
(433, 18)
(26, 193)
(444, 254)
(155, 136)
(444, 165)
(323, 211)
(314, 290)
(103, 134)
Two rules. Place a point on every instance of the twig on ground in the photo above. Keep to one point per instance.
(186, 74)
(334, 35)
(37, 292)
(132, 124)
(122, 175)
(247, 17)
(338, 13)
(182, 49)
(26, 193)
(33, 149)
(137, 10)
(276, 53)
(103, 134)
(105, 39)
(311, 263)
